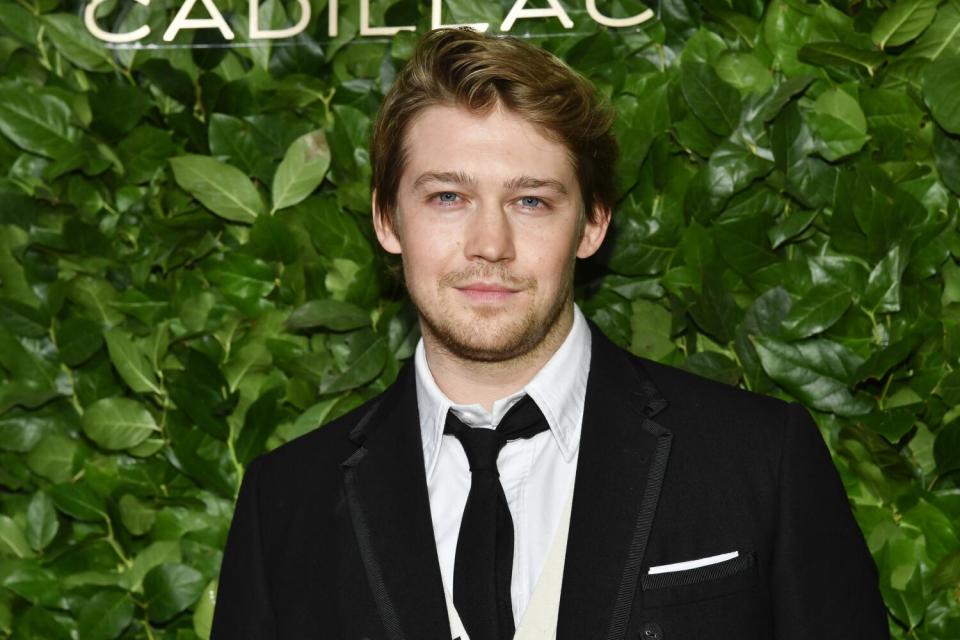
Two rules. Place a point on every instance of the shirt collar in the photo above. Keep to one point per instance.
(559, 389)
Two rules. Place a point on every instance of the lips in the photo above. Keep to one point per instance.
(481, 287)
(486, 292)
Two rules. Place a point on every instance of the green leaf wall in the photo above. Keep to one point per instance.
(188, 275)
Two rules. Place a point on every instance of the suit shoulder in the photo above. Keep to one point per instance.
(698, 393)
(319, 451)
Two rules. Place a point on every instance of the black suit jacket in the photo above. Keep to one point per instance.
(332, 536)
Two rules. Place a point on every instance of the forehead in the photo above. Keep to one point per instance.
(496, 146)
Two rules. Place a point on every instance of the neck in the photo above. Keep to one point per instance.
(472, 382)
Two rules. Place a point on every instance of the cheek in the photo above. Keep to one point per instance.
(551, 253)
(428, 253)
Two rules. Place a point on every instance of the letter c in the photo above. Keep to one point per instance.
(90, 20)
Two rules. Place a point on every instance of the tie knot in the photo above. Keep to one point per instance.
(482, 446)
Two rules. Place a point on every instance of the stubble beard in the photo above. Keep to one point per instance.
(489, 335)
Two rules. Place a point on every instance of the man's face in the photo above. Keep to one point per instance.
(488, 224)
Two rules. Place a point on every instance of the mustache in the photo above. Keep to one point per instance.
(493, 273)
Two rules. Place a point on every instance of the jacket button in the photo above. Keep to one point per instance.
(651, 631)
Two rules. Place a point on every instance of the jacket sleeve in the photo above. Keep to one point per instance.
(243, 610)
(824, 580)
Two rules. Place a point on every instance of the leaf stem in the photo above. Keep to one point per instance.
(147, 627)
(236, 463)
(112, 541)
(883, 394)
(44, 59)
(34, 10)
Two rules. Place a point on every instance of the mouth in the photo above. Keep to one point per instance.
(486, 292)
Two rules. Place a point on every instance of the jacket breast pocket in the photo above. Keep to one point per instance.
(700, 583)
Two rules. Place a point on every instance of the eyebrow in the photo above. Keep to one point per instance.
(514, 184)
(529, 182)
(447, 177)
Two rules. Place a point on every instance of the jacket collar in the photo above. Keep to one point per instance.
(623, 457)
(386, 495)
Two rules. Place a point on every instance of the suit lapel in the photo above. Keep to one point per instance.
(386, 493)
(623, 456)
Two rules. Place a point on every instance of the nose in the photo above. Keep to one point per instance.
(488, 234)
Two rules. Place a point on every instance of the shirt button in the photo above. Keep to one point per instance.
(651, 631)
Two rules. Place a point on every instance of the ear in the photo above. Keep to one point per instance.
(594, 232)
(388, 239)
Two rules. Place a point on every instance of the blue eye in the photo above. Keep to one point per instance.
(530, 201)
(447, 197)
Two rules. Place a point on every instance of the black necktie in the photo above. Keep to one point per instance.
(484, 562)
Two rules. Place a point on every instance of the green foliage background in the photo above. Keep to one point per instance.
(188, 276)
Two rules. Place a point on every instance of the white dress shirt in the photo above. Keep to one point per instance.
(537, 473)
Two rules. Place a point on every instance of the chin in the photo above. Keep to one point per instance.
(482, 336)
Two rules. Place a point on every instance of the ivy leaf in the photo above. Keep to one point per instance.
(787, 26)
(819, 308)
(713, 365)
(791, 226)
(38, 122)
(840, 124)
(946, 575)
(199, 394)
(22, 24)
(203, 614)
(714, 101)
(271, 239)
(839, 54)
(780, 97)
(883, 286)
(22, 319)
(75, 42)
(242, 144)
(137, 517)
(302, 169)
(106, 615)
(651, 328)
(79, 501)
(946, 153)
(903, 22)
(259, 423)
(941, 84)
(368, 355)
(131, 362)
(842, 271)
(169, 589)
(42, 523)
(145, 152)
(731, 169)
(12, 539)
(942, 37)
(221, 188)
(155, 554)
(793, 146)
(53, 457)
(745, 71)
(20, 430)
(328, 314)
(946, 448)
(33, 583)
(242, 276)
(815, 372)
(78, 339)
(118, 423)
(333, 232)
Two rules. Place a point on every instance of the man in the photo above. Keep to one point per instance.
(524, 476)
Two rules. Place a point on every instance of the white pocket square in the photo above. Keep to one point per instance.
(693, 564)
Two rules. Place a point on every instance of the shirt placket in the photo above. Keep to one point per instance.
(516, 465)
